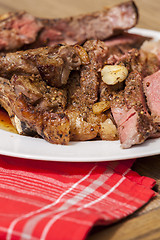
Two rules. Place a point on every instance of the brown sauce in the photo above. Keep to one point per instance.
(5, 122)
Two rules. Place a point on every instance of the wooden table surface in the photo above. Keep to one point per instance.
(145, 223)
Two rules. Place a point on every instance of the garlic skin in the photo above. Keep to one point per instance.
(112, 74)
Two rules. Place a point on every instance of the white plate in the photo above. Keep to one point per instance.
(34, 148)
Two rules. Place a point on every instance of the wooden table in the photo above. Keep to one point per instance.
(145, 223)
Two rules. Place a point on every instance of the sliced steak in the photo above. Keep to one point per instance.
(54, 64)
(90, 73)
(35, 108)
(17, 29)
(134, 128)
(130, 113)
(83, 93)
(52, 126)
(151, 86)
(99, 25)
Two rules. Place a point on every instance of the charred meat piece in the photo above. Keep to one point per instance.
(83, 93)
(83, 85)
(52, 63)
(90, 73)
(35, 108)
(17, 29)
(39, 94)
(83, 123)
(137, 116)
(53, 127)
(7, 101)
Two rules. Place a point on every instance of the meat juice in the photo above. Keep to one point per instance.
(5, 122)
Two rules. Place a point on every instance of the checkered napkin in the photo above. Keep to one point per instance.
(55, 200)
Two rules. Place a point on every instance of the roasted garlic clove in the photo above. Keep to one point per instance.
(112, 74)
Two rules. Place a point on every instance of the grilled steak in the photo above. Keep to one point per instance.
(38, 107)
(99, 25)
(50, 91)
(90, 73)
(52, 63)
(130, 113)
(83, 93)
(35, 107)
(18, 29)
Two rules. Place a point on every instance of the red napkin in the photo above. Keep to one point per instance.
(55, 200)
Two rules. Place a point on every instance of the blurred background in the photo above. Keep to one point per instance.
(149, 9)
